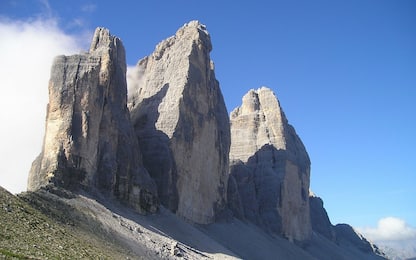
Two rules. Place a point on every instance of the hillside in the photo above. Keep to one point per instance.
(40, 227)
(43, 225)
(56, 223)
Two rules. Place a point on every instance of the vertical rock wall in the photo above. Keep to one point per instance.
(270, 167)
(182, 124)
(89, 139)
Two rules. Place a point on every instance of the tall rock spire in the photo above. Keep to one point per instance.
(269, 176)
(182, 124)
(89, 139)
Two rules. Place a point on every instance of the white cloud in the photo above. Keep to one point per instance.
(27, 49)
(389, 229)
(132, 77)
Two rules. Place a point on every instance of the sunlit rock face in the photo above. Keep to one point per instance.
(269, 168)
(89, 140)
(182, 124)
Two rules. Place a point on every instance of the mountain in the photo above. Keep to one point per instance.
(165, 172)
(89, 139)
(269, 183)
(270, 166)
(182, 124)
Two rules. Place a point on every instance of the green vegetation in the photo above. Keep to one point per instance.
(34, 226)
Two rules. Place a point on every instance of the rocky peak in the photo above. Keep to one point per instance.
(182, 124)
(269, 167)
(110, 46)
(89, 140)
(269, 124)
(103, 39)
(193, 32)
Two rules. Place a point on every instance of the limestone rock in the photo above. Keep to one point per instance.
(346, 236)
(271, 167)
(182, 124)
(89, 139)
(319, 218)
(343, 235)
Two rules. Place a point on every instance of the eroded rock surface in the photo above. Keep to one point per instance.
(270, 167)
(319, 218)
(89, 139)
(182, 124)
(346, 236)
(342, 235)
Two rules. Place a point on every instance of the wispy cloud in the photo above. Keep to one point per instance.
(389, 229)
(77, 22)
(133, 78)
(47, 10)
(88, 8)
(26, 50)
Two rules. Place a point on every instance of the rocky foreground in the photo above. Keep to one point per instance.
(56, 223)
(165, 172)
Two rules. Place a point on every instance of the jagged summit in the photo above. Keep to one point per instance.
(193, 31)
(103, 38)
(269, 125)
(192, 39)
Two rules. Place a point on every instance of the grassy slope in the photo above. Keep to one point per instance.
(47, 231)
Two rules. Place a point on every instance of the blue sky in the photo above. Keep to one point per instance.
(344, 72)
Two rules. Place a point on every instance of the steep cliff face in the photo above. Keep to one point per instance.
(269, 167)
(89, 139)
(182, 124)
